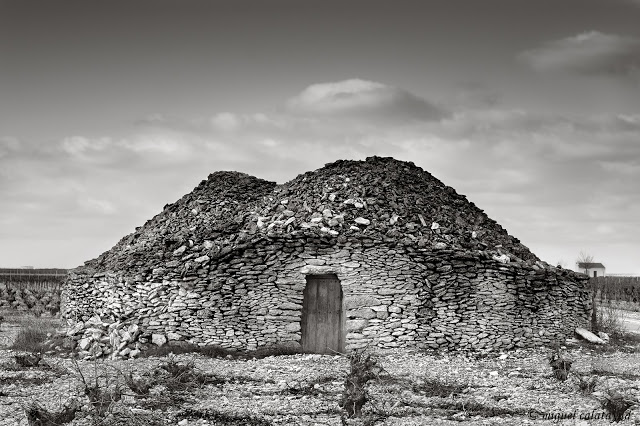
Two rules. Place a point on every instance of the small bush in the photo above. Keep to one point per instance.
(434, 387)
(28, 360)
(102, 398)
(559, 365)
(363, 369)
(37, 415)
(586, 384)
(139, 385)
(173, 375)
(617, 404)
(100, 391)
(179, 377)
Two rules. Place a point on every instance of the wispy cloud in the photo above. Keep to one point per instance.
(356, 98)
(589, 53)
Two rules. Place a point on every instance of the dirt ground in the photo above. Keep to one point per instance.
(412, 388)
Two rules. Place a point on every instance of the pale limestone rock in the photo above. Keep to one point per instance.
(359, 301)
(291, 327)
(604, 336)
(503, 258)
(362, 221)
(77, 328)
(158, 339)
(84, 343)
(114, 340)
(589, 336)
(356, 324)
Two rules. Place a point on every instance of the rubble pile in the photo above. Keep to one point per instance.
(383, 199)
(226, 265)
(216, 210)
(380, 198)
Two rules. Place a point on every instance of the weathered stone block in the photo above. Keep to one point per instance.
(364, 313)
(357, 324)
(359, 301)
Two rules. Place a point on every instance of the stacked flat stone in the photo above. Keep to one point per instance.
(419, 265)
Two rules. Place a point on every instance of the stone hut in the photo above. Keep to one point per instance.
(374, 252)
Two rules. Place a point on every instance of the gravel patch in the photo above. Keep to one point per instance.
(513, 388)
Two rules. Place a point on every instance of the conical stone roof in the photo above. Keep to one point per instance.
(380, 199)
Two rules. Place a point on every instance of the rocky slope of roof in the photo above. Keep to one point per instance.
(215, 210)
(380, 199)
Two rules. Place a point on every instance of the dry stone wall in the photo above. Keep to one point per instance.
(394, 295)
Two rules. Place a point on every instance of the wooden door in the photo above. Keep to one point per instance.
(322, 315)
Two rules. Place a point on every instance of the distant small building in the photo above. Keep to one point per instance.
(591, 269)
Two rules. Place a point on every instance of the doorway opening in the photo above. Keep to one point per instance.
(322, 316)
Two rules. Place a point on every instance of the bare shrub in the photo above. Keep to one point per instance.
(439, 388)
(610, 320)
(28, 360)
(37, 415)
(364, 367)
(587, 384)
(559, 365)
(180, 376)
(140, 385)
(616, 403)
(100, 391)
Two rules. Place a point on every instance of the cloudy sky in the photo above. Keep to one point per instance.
(110, 110)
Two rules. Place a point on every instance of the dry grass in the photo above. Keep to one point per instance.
(33, 332)
(610, 319)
